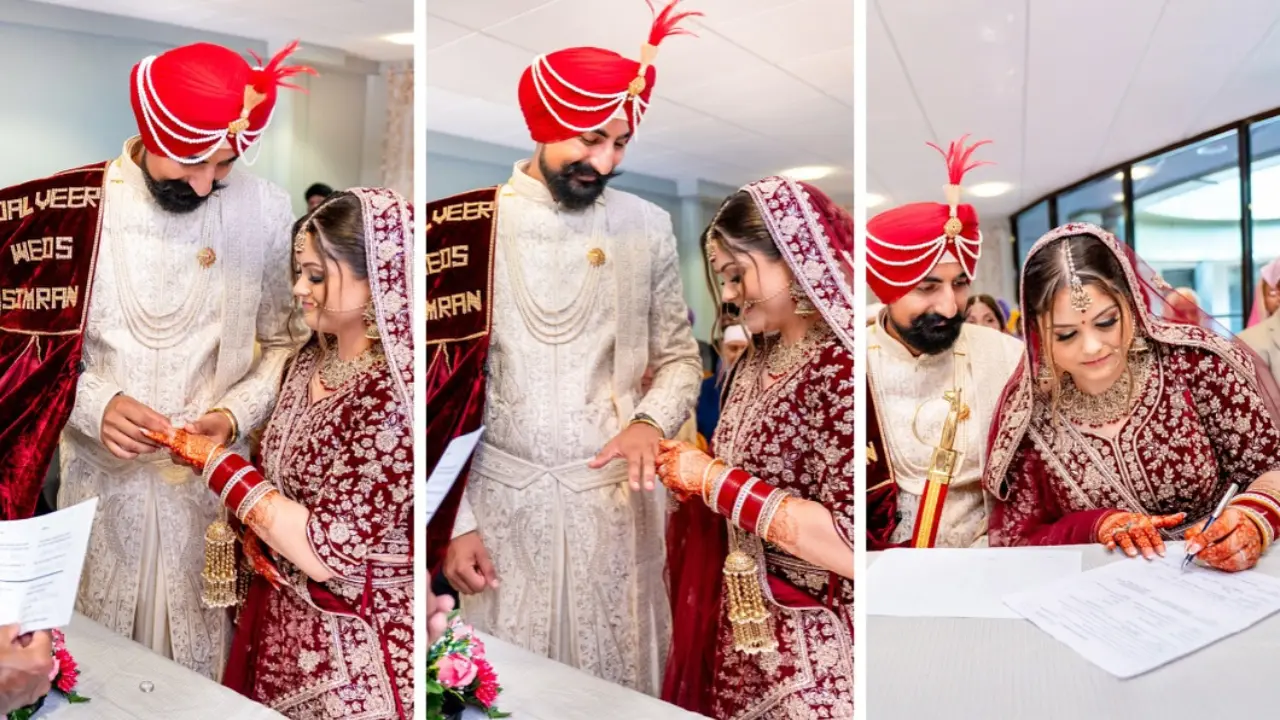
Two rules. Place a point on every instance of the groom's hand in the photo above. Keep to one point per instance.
(467, 565)
(123, 424)
(638, 443)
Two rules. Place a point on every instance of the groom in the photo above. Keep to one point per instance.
(933, 381)
(547, 299)
(147, 292)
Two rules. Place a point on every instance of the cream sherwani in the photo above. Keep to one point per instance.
(981, 362)
(579, 556)
(181, 339)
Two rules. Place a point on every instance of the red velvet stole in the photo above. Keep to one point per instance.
(882, 489)
(461, 232)
(49, 231)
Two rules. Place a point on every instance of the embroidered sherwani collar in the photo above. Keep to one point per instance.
(127, 168)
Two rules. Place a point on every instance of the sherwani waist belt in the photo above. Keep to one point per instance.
(516, 473)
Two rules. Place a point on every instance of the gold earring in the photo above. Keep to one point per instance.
(371, 323)
(1139, 345)
(804, 307)
(1046, 373)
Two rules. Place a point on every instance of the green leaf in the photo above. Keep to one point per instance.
(76, 698)
(496, 713)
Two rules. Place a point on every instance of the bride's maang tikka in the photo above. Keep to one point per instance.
(1080, 299)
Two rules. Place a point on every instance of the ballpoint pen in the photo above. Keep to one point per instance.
(1222, 505)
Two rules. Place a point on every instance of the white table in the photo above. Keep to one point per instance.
(1010, 670)
(535, 688)
(112, 668)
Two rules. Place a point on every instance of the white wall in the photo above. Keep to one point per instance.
(64, 99)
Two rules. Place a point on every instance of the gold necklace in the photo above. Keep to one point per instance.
(335, 372)
(784, 358)
(1113, 404)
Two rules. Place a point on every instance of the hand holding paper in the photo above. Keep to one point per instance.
(40, 563)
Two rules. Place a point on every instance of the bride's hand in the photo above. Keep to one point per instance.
(1136, 533)
(1231, 543)
(186, 447)
(681, 466)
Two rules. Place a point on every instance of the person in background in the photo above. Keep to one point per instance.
(984, 310)
(1182, 305)
(1263, 334)
(316, 194)
(1266, 297)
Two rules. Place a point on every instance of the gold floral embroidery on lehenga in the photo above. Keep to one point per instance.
(349, 459)
(1193, 432)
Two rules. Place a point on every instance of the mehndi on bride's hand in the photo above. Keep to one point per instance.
(187, 448)
(1231, 543)
(682, 466)
(1136, 533)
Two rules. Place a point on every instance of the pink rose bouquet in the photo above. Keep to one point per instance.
(458, 675)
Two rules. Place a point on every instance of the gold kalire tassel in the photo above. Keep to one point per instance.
(219, 564)
(752, 631)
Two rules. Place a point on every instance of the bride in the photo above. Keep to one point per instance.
(782, 483)
(326, 630)
(1124, 428)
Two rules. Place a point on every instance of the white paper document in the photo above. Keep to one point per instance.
(961, 583)
(1132, 616)
(449, 468)
(40, 563)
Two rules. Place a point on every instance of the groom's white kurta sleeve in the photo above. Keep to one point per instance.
(673, 353)
(280, 330)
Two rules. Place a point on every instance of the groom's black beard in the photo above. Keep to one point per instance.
(931, 333)
(570, 192)
(175, 196)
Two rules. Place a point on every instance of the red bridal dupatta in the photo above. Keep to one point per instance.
(815, 237)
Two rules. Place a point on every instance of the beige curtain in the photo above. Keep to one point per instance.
(397, 144)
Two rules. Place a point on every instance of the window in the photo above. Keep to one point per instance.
(1029, 226)
(1100, 202)
(1186, 206)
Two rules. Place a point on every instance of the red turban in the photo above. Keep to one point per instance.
(189, 100)
(568, 92)
(905, 244)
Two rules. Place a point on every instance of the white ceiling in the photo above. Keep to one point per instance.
(355, 26)
(1065, 88)
(766, 86)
